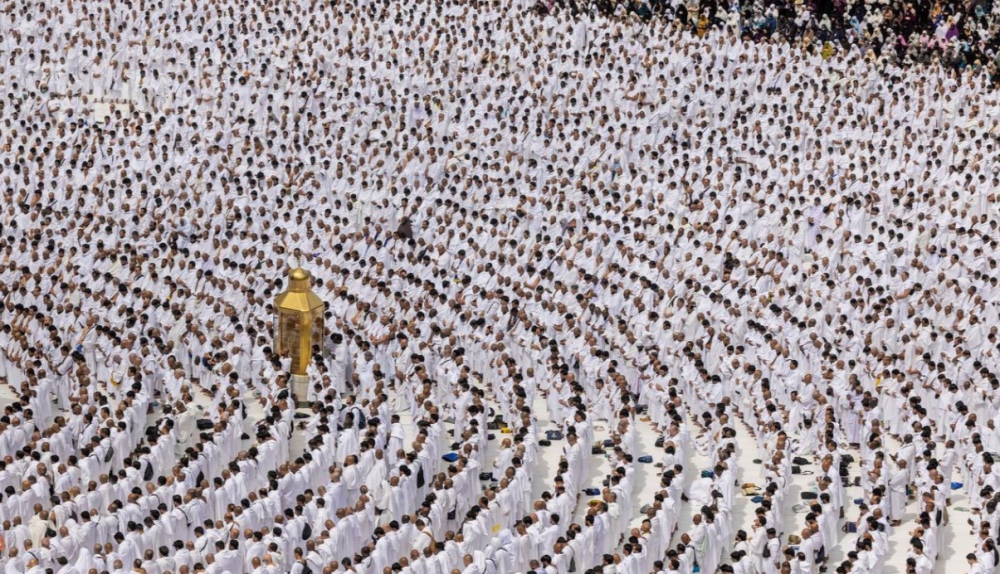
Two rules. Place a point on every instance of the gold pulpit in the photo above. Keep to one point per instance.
(299, 326)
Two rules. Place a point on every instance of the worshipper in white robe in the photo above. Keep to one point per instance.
(898, 491)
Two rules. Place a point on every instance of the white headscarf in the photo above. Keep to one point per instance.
(504, 539)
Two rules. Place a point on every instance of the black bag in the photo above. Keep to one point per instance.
(420, 477)
(148, 474)
(800, 461)
(451, 514)
(204, 424)
(597, 450)
(485, 476)
(808, 495)
(659, 442)
(307, 531)
(544, 442)
(110, 454)
(767, 551)
(846, 458)
(796, 469)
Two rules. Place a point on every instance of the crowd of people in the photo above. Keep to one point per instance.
(532, 231)
(955, 34)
